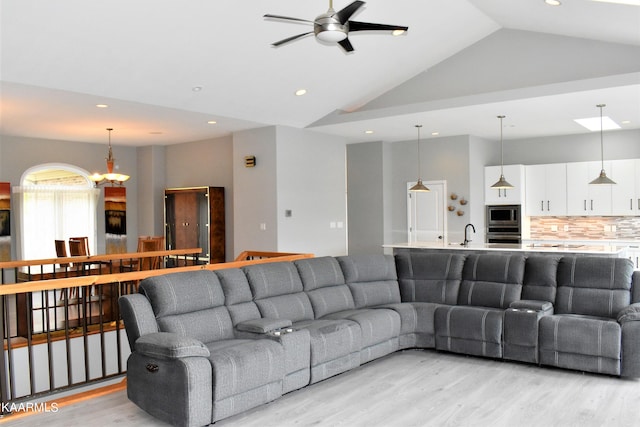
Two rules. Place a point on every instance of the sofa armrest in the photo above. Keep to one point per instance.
(263, 325)
(532, 305)
(629, 313)
(170, 346)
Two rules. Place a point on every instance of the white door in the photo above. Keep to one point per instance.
(426, 213)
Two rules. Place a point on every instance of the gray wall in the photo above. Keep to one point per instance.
(151, 163)
(254, 198)
(365, 201)
(442, 159)
(207, 163)
(618, 144)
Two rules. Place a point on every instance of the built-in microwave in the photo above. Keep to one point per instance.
(503, 214)
(503, 224)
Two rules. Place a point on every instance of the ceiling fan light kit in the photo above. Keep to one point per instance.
(334, 27)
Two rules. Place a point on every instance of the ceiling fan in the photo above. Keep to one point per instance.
(334, 27)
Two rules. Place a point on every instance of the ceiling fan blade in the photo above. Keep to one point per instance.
(346, 45)
(369, 26)
(343, 15)
(286, 18)
(290, 39)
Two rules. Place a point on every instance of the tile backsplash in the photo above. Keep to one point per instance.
(585, 228)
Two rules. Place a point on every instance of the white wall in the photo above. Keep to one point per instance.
(312, 185)
(22, 153)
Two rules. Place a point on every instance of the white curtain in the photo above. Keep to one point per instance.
(47, 213)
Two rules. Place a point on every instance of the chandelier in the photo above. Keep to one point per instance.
(113, 178)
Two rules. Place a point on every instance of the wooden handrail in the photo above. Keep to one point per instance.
(246, 255)
(101, 279)
(97, 258)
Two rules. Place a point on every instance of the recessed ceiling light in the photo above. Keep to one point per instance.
(593, 123)
(212, 122)
(301, 92)
(102, 106)
(368, 132)
(553, 2)
(435, 133)
(397, 32)
(626, 122)
(196, 88)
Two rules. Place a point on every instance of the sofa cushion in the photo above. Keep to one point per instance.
(243, 365)
(178, 293)
(429, 277)
(238, 297)
(331, 339)
(491, 280)
(319, 272)
(331, 300)
(371, 278)
(376, 325)
(273, 279)
(295, 307)
(540, 278)
(469, 330)
(580, 342)
(324, 283)
(205, 325)
(594, 286)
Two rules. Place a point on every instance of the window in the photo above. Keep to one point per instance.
(56, 201)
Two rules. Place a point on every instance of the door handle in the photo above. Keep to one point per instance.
(548, 209)
(542, 205)
(591, 204)
(585, 204)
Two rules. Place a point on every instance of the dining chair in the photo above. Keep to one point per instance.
(83, 246)
(149, 245)
(61, 251)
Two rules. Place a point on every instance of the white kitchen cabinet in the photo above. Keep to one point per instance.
(625, 194)
(546, 190)
(514, 174)
(584, 199)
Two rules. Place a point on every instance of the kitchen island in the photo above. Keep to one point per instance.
(557, 249)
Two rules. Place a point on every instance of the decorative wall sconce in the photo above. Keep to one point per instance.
(249, 161)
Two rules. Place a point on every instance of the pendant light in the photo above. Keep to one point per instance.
(113, 178)
(419, 187)
(502, 183)
(602, 178)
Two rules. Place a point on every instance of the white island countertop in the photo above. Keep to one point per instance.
(592, 249)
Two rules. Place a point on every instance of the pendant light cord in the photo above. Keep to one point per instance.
(501, 148)
(601, 138)
(419, 160)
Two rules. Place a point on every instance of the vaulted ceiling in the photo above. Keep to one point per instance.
(166, 68)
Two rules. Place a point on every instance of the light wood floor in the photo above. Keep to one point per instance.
(411, 388)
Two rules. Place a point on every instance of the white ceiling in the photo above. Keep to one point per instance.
(143, 58)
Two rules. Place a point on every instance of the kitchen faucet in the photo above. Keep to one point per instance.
(466, 229)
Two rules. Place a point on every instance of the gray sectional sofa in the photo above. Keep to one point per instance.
(207, 345)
